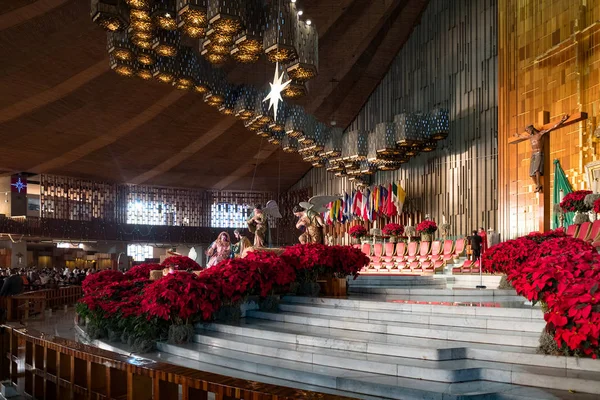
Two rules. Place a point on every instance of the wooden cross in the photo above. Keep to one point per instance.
(544, 122)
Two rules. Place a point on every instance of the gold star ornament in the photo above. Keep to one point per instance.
(277, 87)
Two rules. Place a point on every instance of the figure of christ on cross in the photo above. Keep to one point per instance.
(536, 166)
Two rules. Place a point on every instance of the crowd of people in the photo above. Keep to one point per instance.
(14, 281)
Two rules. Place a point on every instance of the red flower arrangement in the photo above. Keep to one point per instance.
(597, 206)
(181, 263)
(178, 296)
(357, 231)
(393, 229)
(94, 282)
(564, 273)
(574, 201)
(142, 271)
(427, 226)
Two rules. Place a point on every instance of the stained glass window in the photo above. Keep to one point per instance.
(139, 252)
(225, 215)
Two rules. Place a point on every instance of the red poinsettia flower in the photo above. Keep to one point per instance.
(393, 229)
(574, 201)
(357, 231)
(427, 227)
(181, 263)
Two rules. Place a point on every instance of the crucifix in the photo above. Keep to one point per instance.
(540, 163)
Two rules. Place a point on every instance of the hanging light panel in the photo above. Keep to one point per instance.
(280, 38)
(289, 144)
(355, 145)
(164, 14)
(333, 144)
(440, 124)
(248, 43)
(110, 15)
(305, 67)
(193, 17)
(166, 43)
(119, 46)
(165, 69)
(244, 105)
(295, 122)
(123, 67)
(187, 61)
(225, 16)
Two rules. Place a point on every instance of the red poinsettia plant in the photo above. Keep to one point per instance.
(562, 272)
(427, 226)
(575, 201)
(357, 231)
(392, 229)
(178, 297)
(142, 270)
(597, 206)
(94, 282)
(181, 263)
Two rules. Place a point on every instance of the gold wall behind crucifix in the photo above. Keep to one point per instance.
(548, 59)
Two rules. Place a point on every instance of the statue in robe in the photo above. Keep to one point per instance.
(311, 223)
(243, 243)
(310, 219)
(219, 250)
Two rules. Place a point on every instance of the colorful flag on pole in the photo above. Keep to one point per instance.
(358, 204)
(390, 207)
(399, 196)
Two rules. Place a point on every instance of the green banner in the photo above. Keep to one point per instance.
(561, 183)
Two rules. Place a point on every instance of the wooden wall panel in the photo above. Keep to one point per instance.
(450, 60)
(549, 60)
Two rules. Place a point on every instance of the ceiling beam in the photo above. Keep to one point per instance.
(214, 133)
(54, 93)
(112, 136)
(30, 11)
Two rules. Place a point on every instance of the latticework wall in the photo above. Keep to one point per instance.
(549, 60)
(82, 200)
(450, 61)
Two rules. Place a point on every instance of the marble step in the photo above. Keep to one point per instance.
(400, 346)
(446, 319)
(525, 312)
(454, 371)
(505, 337)
(485, 293)
(356, 383)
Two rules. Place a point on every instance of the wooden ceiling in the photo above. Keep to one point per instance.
(63, 111)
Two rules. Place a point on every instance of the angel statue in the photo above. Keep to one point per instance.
(258, 223)
(310, 220)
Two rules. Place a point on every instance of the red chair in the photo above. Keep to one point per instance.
(366, 248)
(356, 246)
(424, 249)
(438, 266)
(459, 248)
(436, 250)
(427, 266)
(403, 266)
(400, 251)
(415, 266)
(466, 267)
(584, 231)
(413, 247)
(475, 267)
(595, 232)
(389, 252)
(572, 230)
(448, 251)
(376, 261)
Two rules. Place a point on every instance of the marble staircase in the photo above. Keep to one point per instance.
(396, 350)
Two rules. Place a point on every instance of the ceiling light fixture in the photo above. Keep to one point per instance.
(300, 12)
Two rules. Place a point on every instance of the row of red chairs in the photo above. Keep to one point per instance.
(588, 231)
(468, 267)
(414, 256)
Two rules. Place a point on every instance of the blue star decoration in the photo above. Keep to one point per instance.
(19, 185)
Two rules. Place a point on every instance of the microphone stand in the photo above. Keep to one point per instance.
(481, 285)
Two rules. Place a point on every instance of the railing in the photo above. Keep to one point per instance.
(21, 306)
(48, 367)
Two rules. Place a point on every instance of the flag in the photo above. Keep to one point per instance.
(390, 207)
(383, 195)
(358, 204)
(367, 205)
(399, 196)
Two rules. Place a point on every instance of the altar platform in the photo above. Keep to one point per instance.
(419, 343)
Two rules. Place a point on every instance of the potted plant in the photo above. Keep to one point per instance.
(426, 229)
(575, 202)
(393, 231)
(357, 232)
